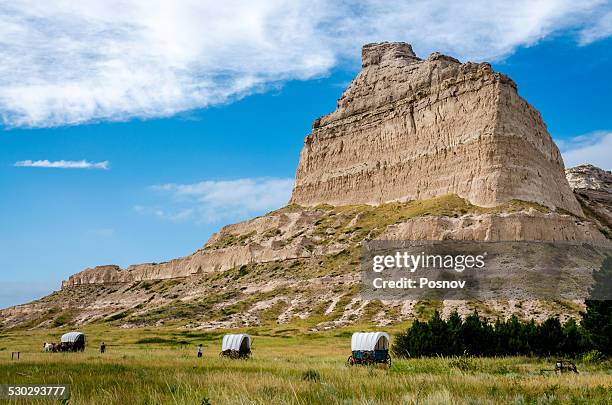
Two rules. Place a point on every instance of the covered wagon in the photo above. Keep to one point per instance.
(369, 348)
(236, 346)
(72, 342)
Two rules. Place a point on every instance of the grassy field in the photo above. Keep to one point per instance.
(159, 366)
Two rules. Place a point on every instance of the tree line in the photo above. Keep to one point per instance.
(478, 337)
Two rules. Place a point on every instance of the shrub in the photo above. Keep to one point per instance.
(463, 363)
(592, 356)
(311, 375)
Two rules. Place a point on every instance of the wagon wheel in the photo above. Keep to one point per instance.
(367, 358)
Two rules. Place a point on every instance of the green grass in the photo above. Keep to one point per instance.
(159, 366)
(424, 309)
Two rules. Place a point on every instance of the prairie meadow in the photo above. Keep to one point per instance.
(288, 366)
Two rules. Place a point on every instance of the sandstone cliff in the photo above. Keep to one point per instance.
(416, 150)
(408, 129)
(405, 129)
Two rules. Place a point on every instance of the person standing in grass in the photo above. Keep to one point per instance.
(103, 347)
(200, 350)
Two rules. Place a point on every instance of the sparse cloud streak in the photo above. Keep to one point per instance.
(84, 61)
(594, 148)
(216, 201)
(602, 28)
(63, 164)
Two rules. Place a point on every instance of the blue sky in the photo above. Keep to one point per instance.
(183, 148)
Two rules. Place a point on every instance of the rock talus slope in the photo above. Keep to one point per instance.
(408, 129)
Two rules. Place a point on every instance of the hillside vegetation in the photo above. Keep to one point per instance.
(317, 289)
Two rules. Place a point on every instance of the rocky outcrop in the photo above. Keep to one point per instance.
(410, 129)
(417, 149)
(317, 232)
(593, 189)
(295, 263)
(277, 236)
(589, 177)
(452, 145)
(530, 225)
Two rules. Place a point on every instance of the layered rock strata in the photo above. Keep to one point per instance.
(409, 129)
(405, 129)
(281, 236)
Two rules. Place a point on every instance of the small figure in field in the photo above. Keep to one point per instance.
(200, 350)
(565, 367)
(102, 347)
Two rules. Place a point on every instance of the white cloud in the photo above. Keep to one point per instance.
(594, 148)
(63, 164)
(215, 201)
(602, 28)
(178, 215)
(78, 61)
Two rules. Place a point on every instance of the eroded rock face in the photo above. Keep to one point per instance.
(405, 129)
(589, 177)
(408, 129)
(593, 189)
(282, 236)
(488, 227)
(299, 259)
(273, 237)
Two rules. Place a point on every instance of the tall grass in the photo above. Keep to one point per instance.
(159, 366)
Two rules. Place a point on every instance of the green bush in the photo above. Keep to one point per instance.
(463, 363)
(592, 357)
(311, 375)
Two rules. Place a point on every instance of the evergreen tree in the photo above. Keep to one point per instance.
(516, 336)
(478, 337)
(597, 320)
(474, 335)
(549, 337)
(574, 341)
(455, 336)
(438, 335)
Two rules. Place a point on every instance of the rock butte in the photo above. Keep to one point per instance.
(409, 129)
(474, 159)
(405, 129)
